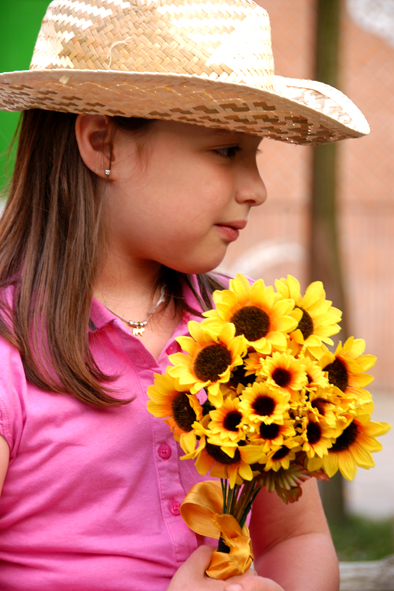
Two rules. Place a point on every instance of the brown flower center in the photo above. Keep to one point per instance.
(212, 361)
(252, 322)
(182, 411)
(320, 404)
(281, 376)
(345, 440)
(263, 406)
(238, 377)
(232, 420)
(313, 433)
(338, 374)
(281, 453)
(269, 431)
(220, 456)
(305, 325)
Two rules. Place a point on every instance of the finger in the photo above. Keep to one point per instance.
(248, 584)
(236, 579)
(235, 583)
(200, 559)
(254, 584)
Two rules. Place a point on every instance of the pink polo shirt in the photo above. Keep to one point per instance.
(91, 497)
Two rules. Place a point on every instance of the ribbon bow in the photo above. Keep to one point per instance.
(202, 512)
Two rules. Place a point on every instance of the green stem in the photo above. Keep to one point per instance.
(244, 500)
(229, 500)
(223, 482)
(235, 498)
(249, 506)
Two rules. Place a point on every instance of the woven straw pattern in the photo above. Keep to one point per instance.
(207, 39)
(195, 61)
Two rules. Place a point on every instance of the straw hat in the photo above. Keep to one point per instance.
(207, 62)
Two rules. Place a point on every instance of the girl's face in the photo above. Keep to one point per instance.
(183, 196)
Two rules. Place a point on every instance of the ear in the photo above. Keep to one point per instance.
(94, 142)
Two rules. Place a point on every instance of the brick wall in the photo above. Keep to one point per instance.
(276, 242)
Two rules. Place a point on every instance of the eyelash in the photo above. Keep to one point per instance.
(228, 152)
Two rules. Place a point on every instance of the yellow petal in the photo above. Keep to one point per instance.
(331, 464)
(347, 465)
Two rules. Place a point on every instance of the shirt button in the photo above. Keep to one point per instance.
(165, 451)
(173, 348)
(175, 507)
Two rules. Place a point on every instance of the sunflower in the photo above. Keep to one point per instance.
(280, 457)
(212, 458)
(285, 372)
(257, 312)
(209, 361)
(317, 436)
(168, 399)
(346, 367)
(226, 423)
(316, 378)
(323, 402)
(252, 365)
(241, 377)
(273, 435)
(317, 319)
(354, 446)
(259, 403)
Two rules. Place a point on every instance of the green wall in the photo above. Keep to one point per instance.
(19, 25)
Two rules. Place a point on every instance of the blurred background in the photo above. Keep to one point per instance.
(283, 235)
(350, 44)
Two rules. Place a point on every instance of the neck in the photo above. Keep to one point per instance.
(128, 286)
(128, 290)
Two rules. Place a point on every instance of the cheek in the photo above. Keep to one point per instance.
(186, 211)
(177, 207)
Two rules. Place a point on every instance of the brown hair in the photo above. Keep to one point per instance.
(51, 245)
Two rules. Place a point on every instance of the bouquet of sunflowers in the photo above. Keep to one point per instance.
(258, 400)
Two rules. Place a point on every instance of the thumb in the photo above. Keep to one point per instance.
(192, 571)
(198, 562)
(201, 558)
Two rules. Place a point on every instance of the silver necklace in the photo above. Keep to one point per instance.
(139, 327)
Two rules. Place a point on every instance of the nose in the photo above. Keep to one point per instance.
(251, 188)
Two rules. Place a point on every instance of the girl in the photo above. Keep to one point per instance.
(136, 168)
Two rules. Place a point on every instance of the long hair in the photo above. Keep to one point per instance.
(52, 241)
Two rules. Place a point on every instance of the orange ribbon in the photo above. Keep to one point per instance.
(202, 512)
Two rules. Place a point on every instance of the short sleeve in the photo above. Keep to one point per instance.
(12, 392)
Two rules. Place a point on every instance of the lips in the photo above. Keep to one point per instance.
(240, 225)
(230, 230)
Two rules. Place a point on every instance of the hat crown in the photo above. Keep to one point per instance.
(218, 40)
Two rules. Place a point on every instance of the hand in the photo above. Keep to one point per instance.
(191, 577)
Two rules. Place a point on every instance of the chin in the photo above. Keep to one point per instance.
(197, 269)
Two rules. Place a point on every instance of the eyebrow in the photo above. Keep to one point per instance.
(217, 132)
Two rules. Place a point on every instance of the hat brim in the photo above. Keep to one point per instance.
(296, 111)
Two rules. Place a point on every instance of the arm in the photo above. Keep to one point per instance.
(292, 543)
(4, 459)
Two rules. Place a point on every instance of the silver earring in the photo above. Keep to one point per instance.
(107, 172)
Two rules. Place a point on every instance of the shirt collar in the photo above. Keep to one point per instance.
(100, 316)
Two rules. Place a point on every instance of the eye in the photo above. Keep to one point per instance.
(229, 151)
